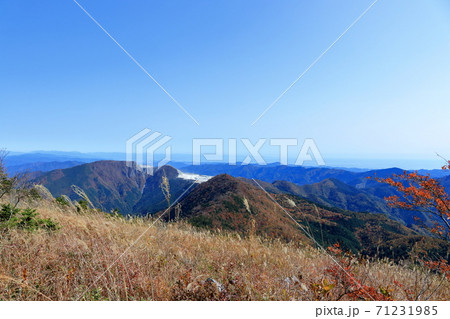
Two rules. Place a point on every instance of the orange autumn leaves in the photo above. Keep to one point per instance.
(422, 193)
(344, 280)
(446, 166)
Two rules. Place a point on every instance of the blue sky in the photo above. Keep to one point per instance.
(381, 92)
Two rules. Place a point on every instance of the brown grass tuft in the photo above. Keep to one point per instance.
(174, 261)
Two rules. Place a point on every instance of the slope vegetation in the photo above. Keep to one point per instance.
(228, 203)
(109, 184)
(85, 260)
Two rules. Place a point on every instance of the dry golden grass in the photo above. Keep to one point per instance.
(177, 262)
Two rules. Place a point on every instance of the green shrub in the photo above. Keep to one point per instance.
(34, 194)
(26, 219)
(83, 205)
(61, 201)
(201, 221)
(115, 214)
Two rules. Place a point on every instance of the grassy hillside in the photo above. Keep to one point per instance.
(178, 262)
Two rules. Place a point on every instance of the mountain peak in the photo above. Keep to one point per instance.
(168, 171)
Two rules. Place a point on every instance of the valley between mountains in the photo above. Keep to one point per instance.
(311, 206)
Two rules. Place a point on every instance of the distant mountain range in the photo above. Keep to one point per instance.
(331, 187)
(301, 175)
(330, 210)
(28, 161)
(348, 190)
(36, 163)
(44, 161)
(33, 158)
(41, 167)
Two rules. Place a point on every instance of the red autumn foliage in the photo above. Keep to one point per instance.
(440, 266)
(446, 166)
(422, 193)
(426, 194)
(344, 279)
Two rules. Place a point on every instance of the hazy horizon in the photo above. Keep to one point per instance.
(381, 90)
(431, 163)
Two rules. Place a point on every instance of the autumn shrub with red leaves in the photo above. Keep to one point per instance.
(424, 194)
(446, 166)
(440, 266)
(346, 284)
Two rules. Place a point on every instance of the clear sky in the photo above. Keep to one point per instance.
(383, 91)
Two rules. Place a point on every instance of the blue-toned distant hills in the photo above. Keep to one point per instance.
(347, 189)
